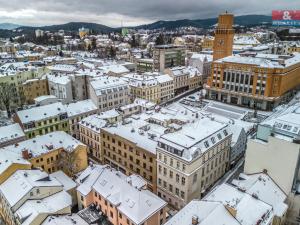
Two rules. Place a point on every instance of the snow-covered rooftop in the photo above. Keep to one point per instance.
(64, 219)
(206, 212)
(80, 107)
(93, 122)
(264, 60)
(41, 112)
(22, 182)
(11, 132)
(9, 158)
(241, 202)
(265, 189)
(67, 182)
(105, 84)
(45, 143)
(137, 204)
(52, 204)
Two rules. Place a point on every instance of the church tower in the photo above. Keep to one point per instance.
(223, 37)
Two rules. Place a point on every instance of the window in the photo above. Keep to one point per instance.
(111, 214)
(195, 178)
(182, 194)
(183, 181)
(177, 178)
(177, 191)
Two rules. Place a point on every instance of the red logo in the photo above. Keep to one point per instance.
(286, 15)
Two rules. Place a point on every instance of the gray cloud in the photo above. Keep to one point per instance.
(131, 12)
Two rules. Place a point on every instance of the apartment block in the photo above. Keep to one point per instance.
(43, 119)
(34, 88)
(15, 74)
(185, 78)
(109, 92)
(52, 152)
(90, 131)
(166, 56)
(191, 157)
(78, 111)
(60, 85)
(121, 149)
(230, 204)
(122, 199)
(153, 87)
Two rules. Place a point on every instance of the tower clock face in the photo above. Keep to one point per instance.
(221, 42)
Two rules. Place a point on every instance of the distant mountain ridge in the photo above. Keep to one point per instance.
(72, 26)
(9, 26)
(246, 20)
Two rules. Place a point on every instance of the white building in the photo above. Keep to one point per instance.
(202, 62)
(191, 157)
(61, 87)
(76, 112)
(109, 92)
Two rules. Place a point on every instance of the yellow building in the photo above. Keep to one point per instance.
(262, 81)
(34, 88)
(15, 74)
(153, 87)
(259, 81)
(83, 32)
(293, 47)
(10, 162)
(121, 151)
(185, 78)
(52, 152)
(43, 119)
(207, 43)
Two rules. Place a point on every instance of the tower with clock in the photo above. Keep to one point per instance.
(223, 37)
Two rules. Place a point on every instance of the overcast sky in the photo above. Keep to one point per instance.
(130, 12)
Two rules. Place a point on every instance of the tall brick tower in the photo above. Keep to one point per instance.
(223, 36)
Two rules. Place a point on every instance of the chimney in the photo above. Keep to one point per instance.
(231, 210)
(25, 154)
(195, 220)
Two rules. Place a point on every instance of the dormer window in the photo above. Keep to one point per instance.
(206, 144)
(225, 132)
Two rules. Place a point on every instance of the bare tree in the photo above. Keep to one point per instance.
(68, 161)
(7, 94)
